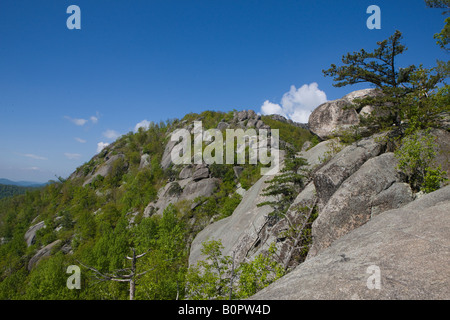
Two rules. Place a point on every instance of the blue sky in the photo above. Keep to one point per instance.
(62, 92)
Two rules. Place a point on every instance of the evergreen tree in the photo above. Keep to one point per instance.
(286, 186)
(399, 88)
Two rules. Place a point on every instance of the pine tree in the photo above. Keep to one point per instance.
(403, 93)
(286, 186)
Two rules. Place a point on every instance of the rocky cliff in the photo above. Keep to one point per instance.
(367, 216)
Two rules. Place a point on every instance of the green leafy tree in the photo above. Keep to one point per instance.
(217, 277)
(259, 273)
(210, 278)
(416, 159)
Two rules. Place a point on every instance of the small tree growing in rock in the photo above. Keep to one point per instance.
(286, 186)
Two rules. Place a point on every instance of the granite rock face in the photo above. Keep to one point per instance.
(329, 177)
(405, 252)
(331, 117)
(350, 206)
(42, 253)
(30, 235)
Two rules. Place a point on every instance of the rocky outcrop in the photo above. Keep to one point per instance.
(350, 206)
(42, 253)
(30, 235)
(329, 178)
(395, 196)
(333, 116)
(145, 161)
(240, 231)
(410, 247)
(443, 149)
(175, 191)
(316, 155)
(104, 169)
(201, 172)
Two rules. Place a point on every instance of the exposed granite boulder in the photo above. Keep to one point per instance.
(409, 245)
(30, 235)
(201, 188)
(104, 169)
(394, 197)
(333, 116)
(350, 206)
(145, 161)
(360, 94)
(201, 172)
(329, 177)
(330, 117)
(166, 159)
(42, 253)
(222, 126)
(176, 191)
(186, 172)
(316, 155)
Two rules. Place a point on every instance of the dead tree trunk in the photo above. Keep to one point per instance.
(299, 233)
(130, 277)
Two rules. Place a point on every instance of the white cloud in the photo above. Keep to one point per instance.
(33, 168)
(272, 108)
(33, 156)
(297, 104)
(111, 134)
(101, 146)
(76, 121)
(143, 124)
(80, 140)
(72, 156)
(94, 119)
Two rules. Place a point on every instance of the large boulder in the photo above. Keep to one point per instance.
(176, 191)
(395, 196)
(350, 206)
(443, 146)
(331, 117)
(166, 159)
(104, 169)
(145, 161)
(30, 235)
(329, 177)
(409, 246)
(42, 253)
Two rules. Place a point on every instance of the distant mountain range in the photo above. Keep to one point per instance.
(21, 183)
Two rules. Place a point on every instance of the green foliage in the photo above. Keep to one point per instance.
(209, 279)
(10, 191)
(433, 179)
(443, 37)
(415, 158)
(295, 136)
(286, 185)
(259, 273)
(214, 278)
(404, 93)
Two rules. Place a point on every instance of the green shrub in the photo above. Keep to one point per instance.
(415, 158)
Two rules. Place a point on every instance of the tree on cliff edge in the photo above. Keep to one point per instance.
(408, 94)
